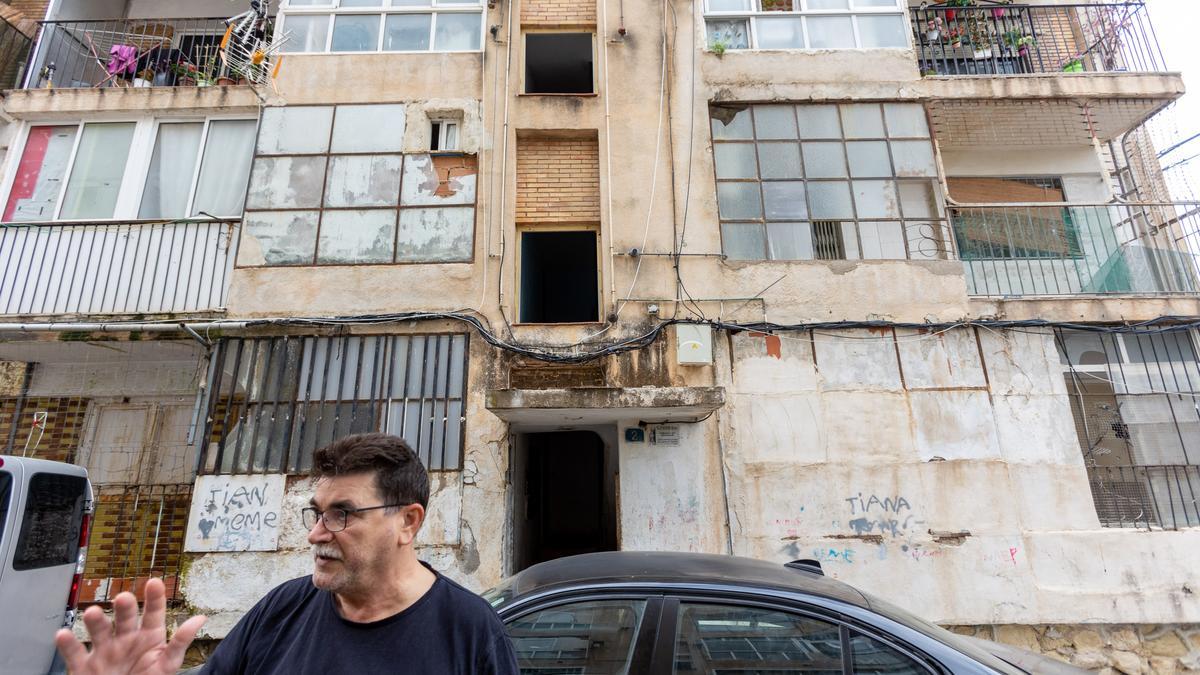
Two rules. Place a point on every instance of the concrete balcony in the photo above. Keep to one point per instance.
(999, 74)
(116, 268)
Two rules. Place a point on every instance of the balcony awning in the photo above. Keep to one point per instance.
(603, 405)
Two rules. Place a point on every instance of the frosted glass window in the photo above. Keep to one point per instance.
(812, 195)
(830, 200)
(278, 238)
(305, 33)
(824, 160)
(869, 159)
(789, 241)
(882, 241)
(295, 130)
(780, 33)
(40, 173)
(735, 160)
(819, 121)
(368, 128)
(360, 3)
(743, 241)
(780, 160)
(456, 32)
(784, 199)
(728, 5)
(359, 236)
(830, 32)
(805, 24)
(876, 199)
(774, 121)
(906, 120)
(914, 158)
(172, 168)
(739, 201)
(99, 167)
(731, 123)
(355, 33)
(882, 31)
(436, 234)
(407, 32)
(733, 34)
(225, 168)
(862, 121)
(286, 183)
(363, 180)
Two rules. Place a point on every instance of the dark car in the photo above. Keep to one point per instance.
(663, 613)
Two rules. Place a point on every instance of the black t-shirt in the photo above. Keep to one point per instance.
(296, 629)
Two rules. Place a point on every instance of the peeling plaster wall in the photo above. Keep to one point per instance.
(940, 472)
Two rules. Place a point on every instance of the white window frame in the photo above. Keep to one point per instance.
(333, 9)
(756, 12)
(137, 164)
(443, 125)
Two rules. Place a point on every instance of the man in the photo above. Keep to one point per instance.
(370, 605)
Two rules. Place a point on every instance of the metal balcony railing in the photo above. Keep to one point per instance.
(1152, 497)
(131, 53)
(14, 54)
(1001, 39)
(116, 268)
(1072, 249)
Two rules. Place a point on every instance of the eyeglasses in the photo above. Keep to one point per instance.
(335, 519)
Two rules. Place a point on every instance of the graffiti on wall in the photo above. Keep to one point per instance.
(235, 513)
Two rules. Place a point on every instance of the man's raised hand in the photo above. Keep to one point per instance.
(125, 646)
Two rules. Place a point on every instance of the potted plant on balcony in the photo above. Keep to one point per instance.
(954, 36)
(1018, 42)
(951, 13)
(1073, 64)
(933, 29)
(979, 38)
(999, 12)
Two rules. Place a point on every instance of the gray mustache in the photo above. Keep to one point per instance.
(326, 551)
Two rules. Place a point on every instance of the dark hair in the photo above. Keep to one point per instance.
(399, 476)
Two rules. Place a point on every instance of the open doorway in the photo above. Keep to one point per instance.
(564, 486)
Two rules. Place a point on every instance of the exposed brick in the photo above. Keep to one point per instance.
(555, 13)
(558, 180)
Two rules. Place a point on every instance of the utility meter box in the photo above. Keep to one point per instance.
(693, 344)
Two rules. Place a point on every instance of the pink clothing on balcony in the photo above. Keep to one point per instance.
(122, 59)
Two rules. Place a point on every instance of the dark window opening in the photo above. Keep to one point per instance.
(558, 277)
(565, 490)
(558, 63)
(50, 527)
(827, 240)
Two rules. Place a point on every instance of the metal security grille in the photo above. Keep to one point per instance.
(1136, 401)
(272, 401)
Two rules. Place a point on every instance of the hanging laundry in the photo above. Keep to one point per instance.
(122, 59)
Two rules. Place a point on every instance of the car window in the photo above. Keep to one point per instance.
(718, 639)
(872, 657)
(5, 491)
(583, 638)
(50, 525)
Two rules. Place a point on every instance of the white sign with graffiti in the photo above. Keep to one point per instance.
(235, 513)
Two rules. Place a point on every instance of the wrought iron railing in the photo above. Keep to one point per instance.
(1078, 249)
(1153, 497)
(131, 53)
(116, 268)
(1001, 39)
(14, 54)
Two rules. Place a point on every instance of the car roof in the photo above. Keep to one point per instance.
(638, 567)
(42, 465)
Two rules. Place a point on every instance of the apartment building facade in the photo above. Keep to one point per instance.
(891, 287)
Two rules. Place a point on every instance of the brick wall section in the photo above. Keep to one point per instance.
(553, 13)
(558, 180)
(62, 433)
(34, 10)
(137, 532)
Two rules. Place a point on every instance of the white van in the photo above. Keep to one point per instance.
(45, 512)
